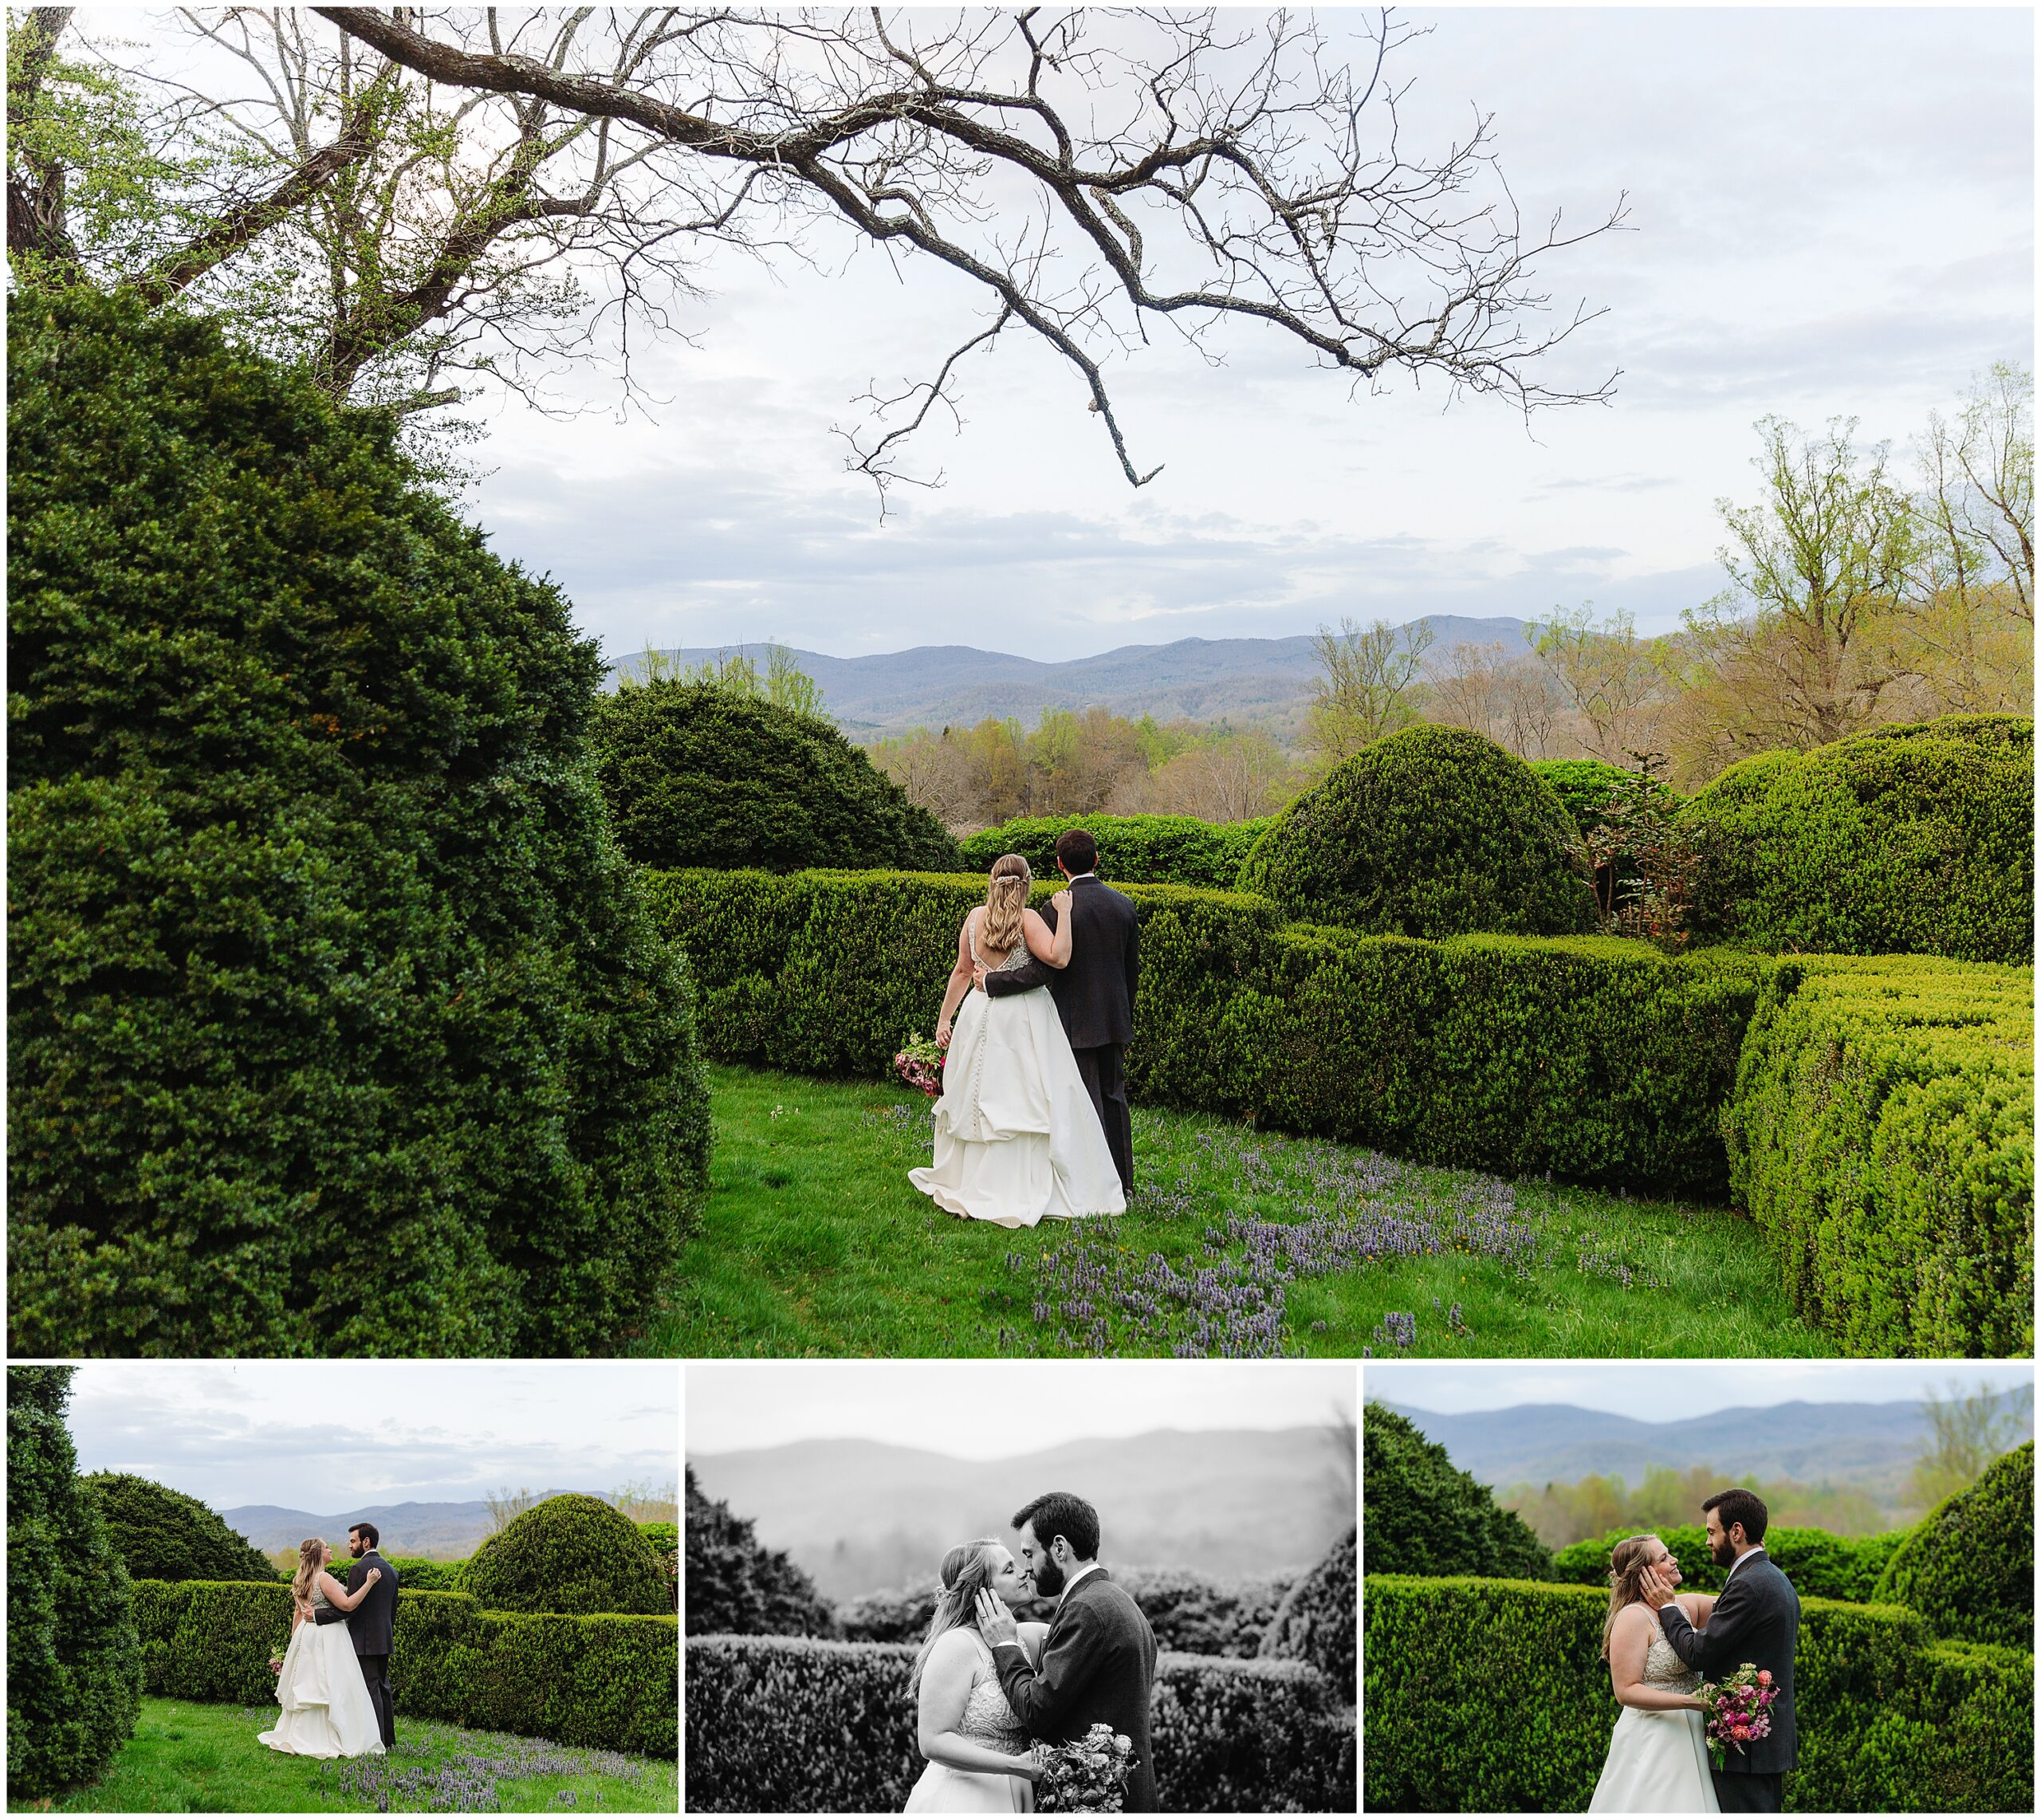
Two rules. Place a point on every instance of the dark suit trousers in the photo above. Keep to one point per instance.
(1747, 1794)
(1105, 1078)
(376, 1671)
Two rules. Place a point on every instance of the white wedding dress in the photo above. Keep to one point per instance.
(327, 1712)
(1017, 1140)
(988, 1720)
(1657, 1761)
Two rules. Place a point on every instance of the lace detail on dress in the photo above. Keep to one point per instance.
(1017, 956)
(1662, 1666)
(988, 1719)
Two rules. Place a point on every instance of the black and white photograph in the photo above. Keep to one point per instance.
(1097, 1587)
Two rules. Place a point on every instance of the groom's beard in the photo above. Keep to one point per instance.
(1725, 1552)
(1049, 1580)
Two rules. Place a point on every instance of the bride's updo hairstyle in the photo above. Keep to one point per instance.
(311, 1554)
(967, 1569)
(1006, 896)
(1627, 1563)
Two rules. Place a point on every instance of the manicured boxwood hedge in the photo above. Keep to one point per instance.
(606, 1683)
(1132, 850)
(1882, 1136)
(781, 1725)
(1819, 1564)
(1914, 840)
(1488, 1694)
(1316, 1620)
(1967, 1566)
(571, 1553)
(1421, 1514)
(1598, 1059)
(169, 1535)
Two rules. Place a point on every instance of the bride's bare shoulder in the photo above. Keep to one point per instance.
(1633, 1616)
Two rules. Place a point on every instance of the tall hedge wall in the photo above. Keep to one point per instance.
(607, 1682)
(1132, 850)
(1488, 1694)
(1819, 1564)
(1599, 1060)
(791, 1725)
(1882, 1136)
(1967, 1566)
(1423, 1515)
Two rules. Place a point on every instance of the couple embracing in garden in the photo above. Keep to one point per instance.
(1033, 1121)
(333, 1682)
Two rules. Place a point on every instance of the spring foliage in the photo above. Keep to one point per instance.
(317, 925)
(1424, 1515)
(569, 1554)
(161, 1534)
(1140, 850)
(1820, 1565)
(1968, 1567)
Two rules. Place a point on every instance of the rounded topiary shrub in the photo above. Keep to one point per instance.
(1430, 832)
(336, 1022)
(1968, 1568)
(571, 1554)
(703, 774)
(1314, 1623)
(74, 1659)
(736, 1585)
(162, 1534)
(1422, 1514)
(1913, 840)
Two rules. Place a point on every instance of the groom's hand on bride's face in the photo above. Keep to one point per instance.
(996, 1623)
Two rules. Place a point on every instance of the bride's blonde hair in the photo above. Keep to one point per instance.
(311, 1559)
(1627, 1561)
(966, 1569)
(1006, 897)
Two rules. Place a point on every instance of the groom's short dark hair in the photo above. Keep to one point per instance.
(1078, 850)
(367, 1532)
(1059, 1513)
(1738, 1506)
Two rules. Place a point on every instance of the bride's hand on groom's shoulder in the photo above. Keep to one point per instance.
(1061, 901)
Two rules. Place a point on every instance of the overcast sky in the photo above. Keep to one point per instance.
(991, 1410)
(321, 1437)
(1832, 216)
(1672, 1389)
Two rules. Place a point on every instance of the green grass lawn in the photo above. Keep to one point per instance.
(1239, 1243)
(186, 1758)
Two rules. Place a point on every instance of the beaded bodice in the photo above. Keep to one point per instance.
(988, 1719)
(1662, 1666)
(1016, 956)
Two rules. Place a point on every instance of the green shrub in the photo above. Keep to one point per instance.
(74, 1673)
(1819, 1564)
(1882, 1138)
(570, 1553)
(665, 1540)
(697, 774)
(604, 1683)
(735, 1585)
(1583, 786)
(1968, 1567)
(1315, 1622)
(1597, 1059)
(1913, 840)
(1424, 1515)
(1138, 850)
(1430, 832)
(316, 923)
(1488, 1694)
(415, 1574)
(793, 1725)
(166, 1535)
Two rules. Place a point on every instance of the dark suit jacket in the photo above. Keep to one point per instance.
(1098, 1665)
(370, 1624)
(1095, 994)
(1757, 1620)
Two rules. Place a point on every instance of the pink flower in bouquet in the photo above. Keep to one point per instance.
(919, 1065)
(1764, 1677)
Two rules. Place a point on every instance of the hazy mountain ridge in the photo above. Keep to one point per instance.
(450, 1530)
(1260, 680)
(861, 1516)
(1870, 1445)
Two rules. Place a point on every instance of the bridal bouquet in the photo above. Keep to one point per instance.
(1739, 1710)
(1087, 1777)
(920, 1064)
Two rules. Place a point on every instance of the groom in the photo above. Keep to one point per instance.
(370, 1625)
(1095, 994)
(1756, 1619)
(1099, 1658)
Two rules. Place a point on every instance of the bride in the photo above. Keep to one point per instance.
(980, 1760)
(1017, 1140)
(326, 1709)
(1657, 1760)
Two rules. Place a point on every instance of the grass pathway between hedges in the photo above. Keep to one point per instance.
(1239, 1243)
(187, 1758)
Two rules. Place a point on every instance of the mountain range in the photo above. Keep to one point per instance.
(863, 1516)
(442, 1532)
(1870, 1445)
(1265, 681)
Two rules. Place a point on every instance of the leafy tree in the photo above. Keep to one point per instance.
(736, 1586)
(74, 1660)
(1369, 683)
(1966, 1431)
(1609, 677)
(338, 1021)
(1420, 1514)
(164, 1534)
